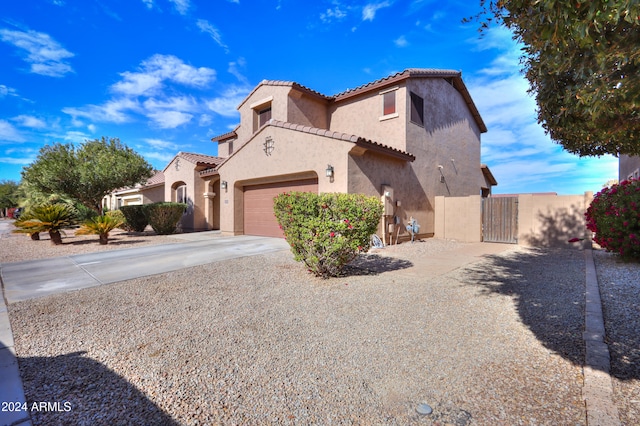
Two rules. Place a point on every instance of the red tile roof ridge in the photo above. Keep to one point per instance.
(200, 158)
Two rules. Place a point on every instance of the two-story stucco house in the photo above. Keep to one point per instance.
(406, 138)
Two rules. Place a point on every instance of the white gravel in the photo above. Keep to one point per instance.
(259, 341)
(620, 292)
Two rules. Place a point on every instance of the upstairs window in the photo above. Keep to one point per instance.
(389, 103)
(264, 115)
(389, 107)
(417, 109)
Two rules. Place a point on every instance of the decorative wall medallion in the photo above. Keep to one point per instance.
(268, 146)
(177, 164)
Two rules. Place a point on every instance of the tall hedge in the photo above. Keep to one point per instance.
(135, 217)
(326, 231)
(164, 217)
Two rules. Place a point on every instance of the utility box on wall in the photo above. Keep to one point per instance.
(387, 200)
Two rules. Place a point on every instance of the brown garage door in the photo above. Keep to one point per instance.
(258, 205)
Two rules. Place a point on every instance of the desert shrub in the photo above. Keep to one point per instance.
(101, 226)
(83, 213)
(135, 217)
(326, 231)
(164, 217)
(614, 217)
(51, 218)
(119, 216)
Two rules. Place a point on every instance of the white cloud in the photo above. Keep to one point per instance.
(180, 103)
(30, 121)
(369, 11)
(226, 104)
(92, 128)
(162, 144)
(208, 28)
(112, 111)
(169, 119)
(7, 91)
(181, 6)
(401, 41)
(155, 155)
(9, 133)
(148, 3)
(234, 70)
(158, 69)
(18, 160)
(46, 56)
(331, 14)
(205, 120)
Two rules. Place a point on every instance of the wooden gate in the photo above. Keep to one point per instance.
(500, 220)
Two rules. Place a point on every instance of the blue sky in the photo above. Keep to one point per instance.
(166, 75)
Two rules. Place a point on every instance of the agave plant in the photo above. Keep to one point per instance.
(51, 218)
(101, 226)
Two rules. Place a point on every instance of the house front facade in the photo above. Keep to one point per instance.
(406, 138)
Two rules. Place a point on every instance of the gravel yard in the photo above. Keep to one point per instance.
(259, 341)
(620, 291)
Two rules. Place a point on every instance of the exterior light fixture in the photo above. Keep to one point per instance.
(329, 171)
(223, 185)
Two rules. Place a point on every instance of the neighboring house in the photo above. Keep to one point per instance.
(151, 192)
(406, 138)
(628, 168)
(183, 183)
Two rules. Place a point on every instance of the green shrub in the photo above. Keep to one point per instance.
(164, 217)
(326, 231)
(101, 226)
(135, 217)
(614, 217)
(119, 216)
(51, 218)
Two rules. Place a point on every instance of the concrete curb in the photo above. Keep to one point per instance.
(597, 390)
(11, 390)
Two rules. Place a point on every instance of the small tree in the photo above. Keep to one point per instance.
(101, 226)
(86, 173)
(51, 218)
(8, 195)
(614, 217)
(326, 231)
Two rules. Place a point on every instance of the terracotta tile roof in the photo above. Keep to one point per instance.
(200, 159)
(156, 179)
(360, 141)
(291, 84)
(394, 78)
(488, 175)
(223, 137)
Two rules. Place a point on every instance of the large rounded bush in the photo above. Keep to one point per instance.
(326, 231)
(164, 217)
(135, 217)
(614, 217)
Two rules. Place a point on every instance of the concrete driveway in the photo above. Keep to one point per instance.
(31, 279)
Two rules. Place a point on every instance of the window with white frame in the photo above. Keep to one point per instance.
(389, 109)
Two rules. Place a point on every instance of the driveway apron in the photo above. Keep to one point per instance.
(28, 280)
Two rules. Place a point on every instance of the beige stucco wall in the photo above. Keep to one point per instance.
(362, 116)
(552, 220)
(296, 155)
(543, 220)
(458, 218)
(369, 172)
(181, 170)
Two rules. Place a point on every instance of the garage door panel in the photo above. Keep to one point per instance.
(259, 218)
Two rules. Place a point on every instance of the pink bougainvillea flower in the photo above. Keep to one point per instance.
(332, 234)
